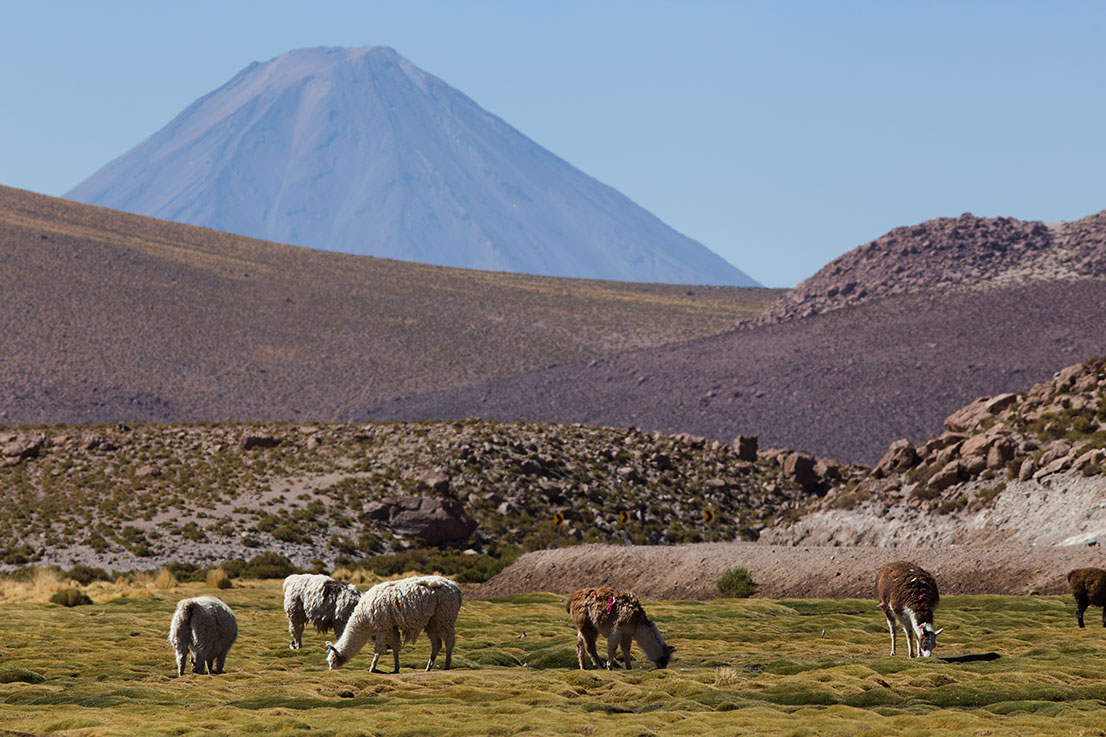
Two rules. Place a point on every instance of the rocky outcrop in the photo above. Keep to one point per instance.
(432, 520)
(997, 456)
(15, 449)
(965, 251)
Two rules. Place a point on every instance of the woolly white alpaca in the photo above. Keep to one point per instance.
(326, 603)
(207, 627)
(406, 607)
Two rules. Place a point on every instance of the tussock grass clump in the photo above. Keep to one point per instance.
(70, 597)
(217, 578)
(166, 580)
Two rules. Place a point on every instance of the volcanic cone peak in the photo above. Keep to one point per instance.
(360, 151)
(967, 251)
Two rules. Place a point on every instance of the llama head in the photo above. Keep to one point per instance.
(666, 657)
(928, 641)
(334, 659)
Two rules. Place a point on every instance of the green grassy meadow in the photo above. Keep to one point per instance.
(742, 667)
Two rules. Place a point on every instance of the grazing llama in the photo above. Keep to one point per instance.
(908, 594)
(620, 618)
(404, 607)
(326, 603)
(1088, 586)
(207, 627)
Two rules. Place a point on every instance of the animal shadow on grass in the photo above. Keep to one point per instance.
(973, 658)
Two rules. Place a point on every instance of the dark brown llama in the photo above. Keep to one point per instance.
(1088, 586)
(620, 618)
(908, 595)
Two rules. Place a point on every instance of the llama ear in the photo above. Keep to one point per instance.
(329, 647)
(938, 631)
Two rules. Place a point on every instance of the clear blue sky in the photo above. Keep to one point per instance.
(780, 134)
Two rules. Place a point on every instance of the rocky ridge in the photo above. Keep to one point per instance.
(965, 252)
(1027, 467)
(140, 496)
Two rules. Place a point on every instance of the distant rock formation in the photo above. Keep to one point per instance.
(358, 150)
(967, 251)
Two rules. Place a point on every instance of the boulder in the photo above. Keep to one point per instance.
(967, 418)
(431, 519)
(946, 477)
(1025, 471)
(1090, 461)
(1000, 453)
(899, 457)
(1056, 466)
(948, 453)
(827, 469)
(799, 468)
(746, 447)
(437, 481)
(1066, 376)
(975, 445)
(22, 447)
(249, 442)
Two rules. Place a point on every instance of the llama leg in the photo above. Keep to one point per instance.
(395, 649)
(380, 646)
(909, 641)
(295, 627)
(891, 626)
(590, 636)
(435, 646)
(1081, 605)
(581, 649)
(182, 660)
(450, 641)
(626, 640)
(221, 661)
(614, 639)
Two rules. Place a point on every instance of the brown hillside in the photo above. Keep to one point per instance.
(842, 384)
(106, 316)
(967, 252)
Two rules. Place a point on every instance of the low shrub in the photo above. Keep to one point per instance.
(736, 583)
(19, 555)
(70, 597)
(268, 565)
(84, 575)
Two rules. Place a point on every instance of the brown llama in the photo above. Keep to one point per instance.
(1088, 586)
(908, 595)
(619, 617)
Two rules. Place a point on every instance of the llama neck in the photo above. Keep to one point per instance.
(650, 640)
(920, 621)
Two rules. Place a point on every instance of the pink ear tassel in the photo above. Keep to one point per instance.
(610, 605)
